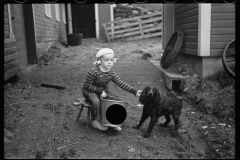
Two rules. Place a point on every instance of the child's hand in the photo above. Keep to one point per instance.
(139, 93)
(104, 94)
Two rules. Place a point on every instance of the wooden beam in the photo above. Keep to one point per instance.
(204, 29)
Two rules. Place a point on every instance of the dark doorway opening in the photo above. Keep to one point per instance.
(83, 17)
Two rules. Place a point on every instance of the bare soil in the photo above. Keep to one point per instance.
(43, 120)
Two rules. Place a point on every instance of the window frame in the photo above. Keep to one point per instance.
(57, 12)
(64, 13)
(48, 10)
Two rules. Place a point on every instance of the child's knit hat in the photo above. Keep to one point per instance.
(103, 51)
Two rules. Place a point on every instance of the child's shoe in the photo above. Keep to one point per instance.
(98, 125)
(117, 128)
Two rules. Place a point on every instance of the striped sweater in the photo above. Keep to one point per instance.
(97, 81)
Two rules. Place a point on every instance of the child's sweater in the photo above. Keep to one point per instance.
(97, 81)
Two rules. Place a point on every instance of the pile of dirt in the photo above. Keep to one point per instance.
(214, 97)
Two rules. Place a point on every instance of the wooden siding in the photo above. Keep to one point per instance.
(186, 20)
(6, 23)
(104, 17)
(11, 57)
(20, 35)
(222, 27)
(45, 27)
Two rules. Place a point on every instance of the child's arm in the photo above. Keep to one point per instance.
(88, 84)
(121, 84)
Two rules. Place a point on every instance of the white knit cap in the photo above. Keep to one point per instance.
(104, 51)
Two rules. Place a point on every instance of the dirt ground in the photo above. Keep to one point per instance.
(40, 119)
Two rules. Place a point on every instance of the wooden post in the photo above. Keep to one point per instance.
(69, 14)
(105, 29)
(140, 27)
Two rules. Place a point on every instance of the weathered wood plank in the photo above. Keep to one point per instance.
(136, 24)
(135, 18)
(220, 38)
(6, 27)
(6, 21)
(223, 9)
(216, 52)
(223, 31)
(145, 36)
(5, 14)
(187, 26)
(140, 27)
(186, 14)
(10, 73)
(189, 45)
(187, 7)
(10, 44)
(218, 45)
(178, 5)
(189, 51)
(223, 16)
(11, 64)
(10, 57)
(6, 34)
(190, 39)
(10, 50)
(190, 32)
(191, 19)
(223, 24)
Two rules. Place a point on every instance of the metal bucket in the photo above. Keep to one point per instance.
(112, 102)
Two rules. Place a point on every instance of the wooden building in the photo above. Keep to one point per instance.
(29, 30)
(207, 30)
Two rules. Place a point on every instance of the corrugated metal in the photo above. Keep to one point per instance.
(45, 26)
(104, 16)
(222, 27)
(186, 20)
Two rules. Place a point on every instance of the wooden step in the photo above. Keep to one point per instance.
(168, 77)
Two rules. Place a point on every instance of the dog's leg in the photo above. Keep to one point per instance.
(150, 127)
(143, 118)
(176, 122)
(168, 119)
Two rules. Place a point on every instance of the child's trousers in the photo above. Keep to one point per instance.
(94, 99)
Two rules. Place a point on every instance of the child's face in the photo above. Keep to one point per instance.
(107, 61)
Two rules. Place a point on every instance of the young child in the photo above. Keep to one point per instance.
(96, 84)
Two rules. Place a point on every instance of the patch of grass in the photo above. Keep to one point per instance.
(214, 95)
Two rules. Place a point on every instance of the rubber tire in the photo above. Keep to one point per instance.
(229, 72)
(172, 49)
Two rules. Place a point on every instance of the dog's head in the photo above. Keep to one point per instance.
(149, 93)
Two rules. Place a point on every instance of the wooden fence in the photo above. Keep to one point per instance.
(134, 28)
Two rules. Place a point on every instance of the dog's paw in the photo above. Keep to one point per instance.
(145, 135)
(174, 134)
(135, 127)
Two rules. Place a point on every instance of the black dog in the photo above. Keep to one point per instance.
(156, 106)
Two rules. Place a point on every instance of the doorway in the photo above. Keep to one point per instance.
(83, 18)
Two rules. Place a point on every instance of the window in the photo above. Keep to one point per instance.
(48, 10)
(64, 13)
(57, 12)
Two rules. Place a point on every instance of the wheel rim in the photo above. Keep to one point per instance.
(228, 59)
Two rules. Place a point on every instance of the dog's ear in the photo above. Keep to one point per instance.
(157, 96)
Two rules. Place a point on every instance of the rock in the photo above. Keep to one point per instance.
(131, 150)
